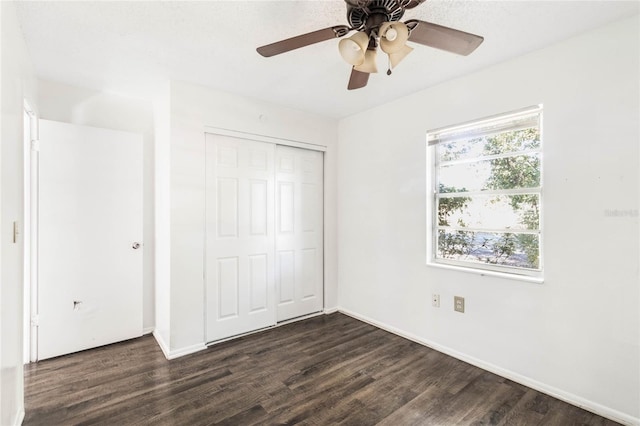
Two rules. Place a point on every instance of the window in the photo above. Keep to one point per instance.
(485, 183)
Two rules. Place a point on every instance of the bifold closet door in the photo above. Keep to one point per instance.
(240, 245)
(299, 232)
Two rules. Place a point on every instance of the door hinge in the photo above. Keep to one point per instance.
(35, 321)
(16, 232)
(35, 145)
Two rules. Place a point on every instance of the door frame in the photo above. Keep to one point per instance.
(276, 141)
(30, 234)
(264, 138)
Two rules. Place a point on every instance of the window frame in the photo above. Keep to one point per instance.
(488, 125)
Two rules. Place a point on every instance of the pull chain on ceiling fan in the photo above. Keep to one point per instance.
(377, 24)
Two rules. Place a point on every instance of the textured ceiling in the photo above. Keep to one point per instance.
(132, 47)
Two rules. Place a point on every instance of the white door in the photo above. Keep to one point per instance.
(239, 236)
(90, 219)
(299, 232)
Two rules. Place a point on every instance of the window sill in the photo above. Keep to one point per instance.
(482, 272)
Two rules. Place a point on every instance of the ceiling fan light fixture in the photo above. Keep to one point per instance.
(377, 24)
(393, 36)
(353, 49)
(395, 58)
(369, 65)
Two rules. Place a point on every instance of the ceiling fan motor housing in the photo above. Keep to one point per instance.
(368, 14)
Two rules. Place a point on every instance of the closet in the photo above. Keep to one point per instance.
(264, 234)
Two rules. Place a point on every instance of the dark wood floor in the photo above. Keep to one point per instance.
(325, 370)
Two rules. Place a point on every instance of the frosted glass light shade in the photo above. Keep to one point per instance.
(369, 65)
(393, 36)
(353, 49)
(395, 58)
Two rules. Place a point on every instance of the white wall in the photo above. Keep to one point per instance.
(192, 108)
(86, 107)
(162, 164)
(577, 335)
(17, 85)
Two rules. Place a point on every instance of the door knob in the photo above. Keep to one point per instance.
(135, 246)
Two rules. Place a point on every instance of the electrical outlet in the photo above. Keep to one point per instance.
(435, 300)
(458, 304)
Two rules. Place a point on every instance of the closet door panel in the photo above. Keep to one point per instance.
(239, 248)
(299, 232)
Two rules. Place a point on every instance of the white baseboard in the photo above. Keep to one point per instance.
(19, 417)
(163, 345)
(148, 330)
(328, 311)
(177, 353)
(567, 397)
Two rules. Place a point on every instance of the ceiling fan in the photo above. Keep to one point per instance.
(377, 23)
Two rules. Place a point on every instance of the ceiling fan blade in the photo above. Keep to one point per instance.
(303, 40)
(413, 3)
(358, 79)
(444, 38)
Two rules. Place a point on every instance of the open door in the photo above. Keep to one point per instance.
(90, 238)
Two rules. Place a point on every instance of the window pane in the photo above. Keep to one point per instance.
(499, 212)
(488, 187)
(519, 171)
(522, 171)
(513, 141)
(508, 249)
(460, 149)
(500, 143)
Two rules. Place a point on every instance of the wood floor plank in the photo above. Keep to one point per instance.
(375, 403)
(330, 369)
(427, 408)
(521, 414)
